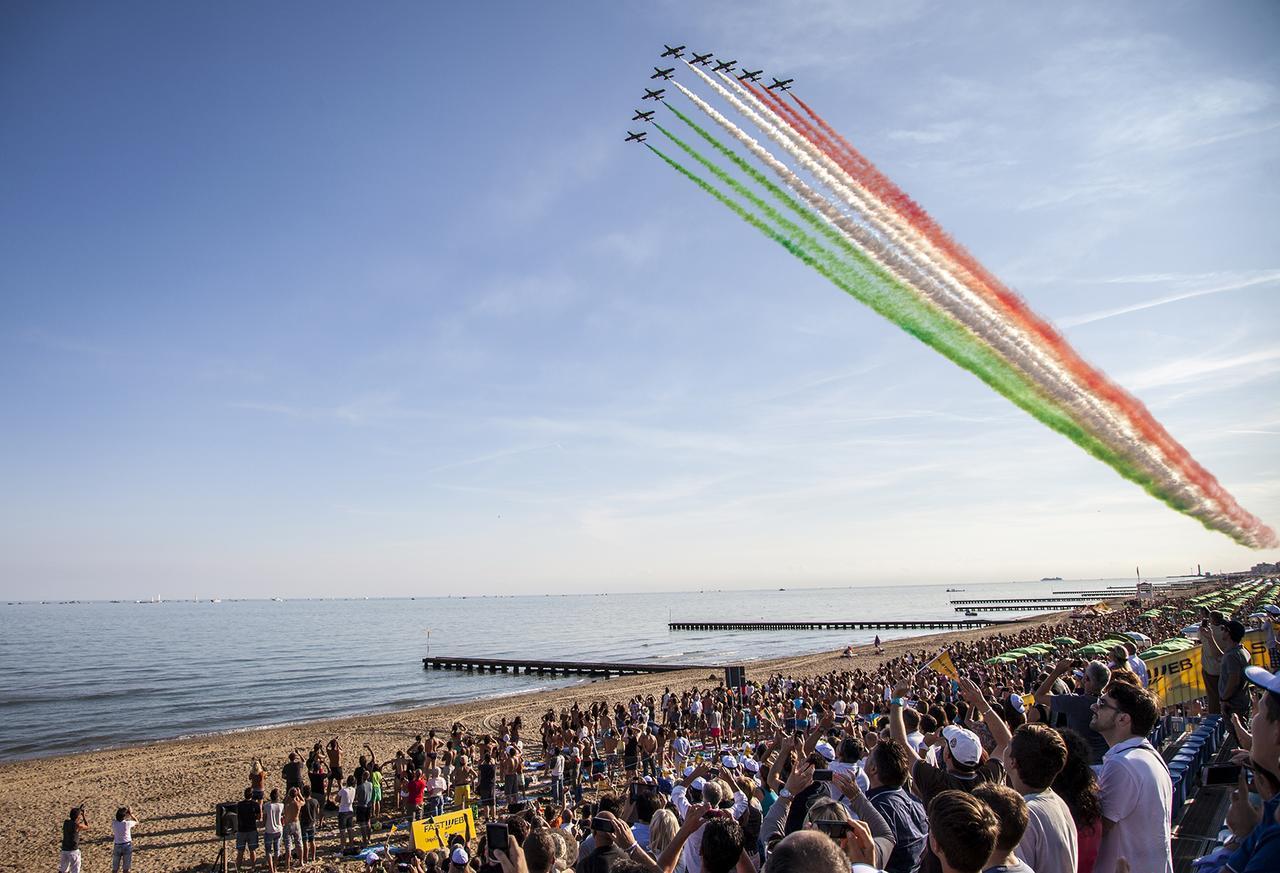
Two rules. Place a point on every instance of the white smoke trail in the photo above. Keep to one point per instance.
(1122, 404)
(941, 288)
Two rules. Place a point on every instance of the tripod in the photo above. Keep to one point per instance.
(220, 862)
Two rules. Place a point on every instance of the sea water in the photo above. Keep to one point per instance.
(79, 676)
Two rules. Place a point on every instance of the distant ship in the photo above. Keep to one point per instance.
(1051, 579)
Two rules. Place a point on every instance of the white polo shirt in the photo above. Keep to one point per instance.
(1137, 796)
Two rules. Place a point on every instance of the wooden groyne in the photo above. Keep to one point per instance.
(517, 666)
(1021, 600)
(905, 624)
(1023, 607)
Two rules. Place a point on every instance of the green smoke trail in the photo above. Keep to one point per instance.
(1100, 449)
(904, 309)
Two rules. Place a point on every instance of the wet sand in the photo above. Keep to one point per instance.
(173, 785)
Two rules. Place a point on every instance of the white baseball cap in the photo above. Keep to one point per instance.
(460, 856)
(965, 746)
(698, 784)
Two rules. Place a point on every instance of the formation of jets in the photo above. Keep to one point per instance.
(666, 73)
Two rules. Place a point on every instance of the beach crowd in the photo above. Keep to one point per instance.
(939, 761)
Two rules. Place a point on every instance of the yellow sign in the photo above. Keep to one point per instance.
(944, 665)
(434, 833)
(1179, 677)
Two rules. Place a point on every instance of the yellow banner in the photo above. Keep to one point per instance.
(1178, 677)
(944, 665)
(434, 833)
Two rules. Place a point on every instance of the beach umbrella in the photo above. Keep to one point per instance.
(1138, 637)
(1066, 641)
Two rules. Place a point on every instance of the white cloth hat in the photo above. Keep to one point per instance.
(698, 784)
(824, 749)
(460, 856)
(965, 746)
(729, 762)
(751, 765)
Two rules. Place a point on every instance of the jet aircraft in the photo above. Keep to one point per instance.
(701, 59)
(750, 75)
(670, 52)
(722, 66)
(642, 116)
(780, 84)
(663, 74)
(653, 95)
(632, 136)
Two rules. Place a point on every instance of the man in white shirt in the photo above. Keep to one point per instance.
(1137, 665)
(1134, 787)
(710, 794)
(680, 748)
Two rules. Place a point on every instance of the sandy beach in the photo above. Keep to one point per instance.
(172, 786)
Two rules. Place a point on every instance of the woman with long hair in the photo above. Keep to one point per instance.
(662, 830)
(1078, 787)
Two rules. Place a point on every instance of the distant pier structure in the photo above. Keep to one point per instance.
(536, 667)
(826, 624)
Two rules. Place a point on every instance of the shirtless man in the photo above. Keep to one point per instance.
(648, 752)
(334, 751)
(461, 779)
(511, 766)
(610, 753)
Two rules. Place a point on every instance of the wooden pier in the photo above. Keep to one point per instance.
(1021, 600)
(907, 624)
(1024, 607)
(554, 668)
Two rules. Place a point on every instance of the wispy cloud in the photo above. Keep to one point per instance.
(1194, 368)
(1099, 315)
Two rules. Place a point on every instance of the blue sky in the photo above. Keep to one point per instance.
(321, 298)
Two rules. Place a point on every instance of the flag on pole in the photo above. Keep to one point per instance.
(943, 664)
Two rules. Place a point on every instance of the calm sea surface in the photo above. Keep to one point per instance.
(80, 676)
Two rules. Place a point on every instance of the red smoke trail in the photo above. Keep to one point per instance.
(861, 169)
